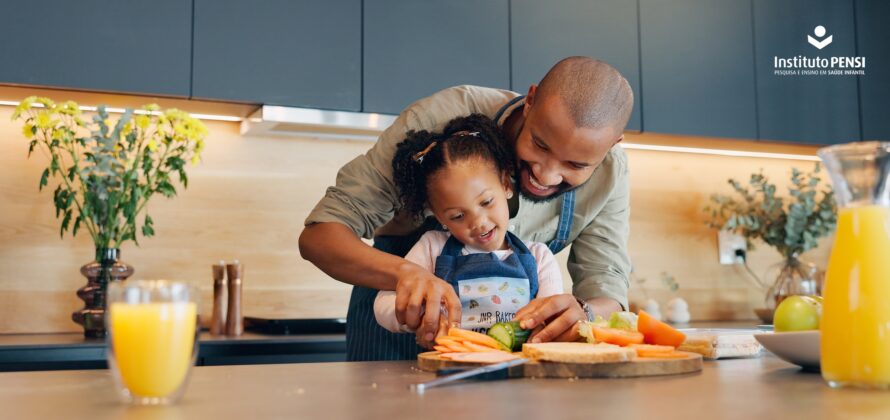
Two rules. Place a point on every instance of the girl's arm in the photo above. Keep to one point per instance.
(549, 275)
(423, 253)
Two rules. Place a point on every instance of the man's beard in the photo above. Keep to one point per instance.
(560, 190)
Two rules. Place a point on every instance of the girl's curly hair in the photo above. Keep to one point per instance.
(417, 158)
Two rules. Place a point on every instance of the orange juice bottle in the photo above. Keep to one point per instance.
(855, 336)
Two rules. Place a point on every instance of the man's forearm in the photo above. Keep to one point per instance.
(336, 250)
(604, 306)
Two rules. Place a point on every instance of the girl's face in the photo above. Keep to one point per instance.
(470, 199)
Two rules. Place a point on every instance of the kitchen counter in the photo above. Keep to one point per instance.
(760, 388)
(65, 351)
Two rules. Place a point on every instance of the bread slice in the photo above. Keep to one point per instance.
(578, 353)
(717, 344)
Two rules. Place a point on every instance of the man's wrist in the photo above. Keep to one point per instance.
(588, 310)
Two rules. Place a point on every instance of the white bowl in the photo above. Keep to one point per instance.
(798, 347)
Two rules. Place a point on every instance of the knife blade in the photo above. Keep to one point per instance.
(423, 386)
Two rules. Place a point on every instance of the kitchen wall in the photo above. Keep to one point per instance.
(248, 198)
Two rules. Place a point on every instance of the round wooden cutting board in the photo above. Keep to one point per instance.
(431, 362)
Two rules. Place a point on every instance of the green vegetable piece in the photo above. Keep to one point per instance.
(623, 321)
(509, 334)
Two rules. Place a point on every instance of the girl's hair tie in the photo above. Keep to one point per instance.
(418, 157)
(465, 133)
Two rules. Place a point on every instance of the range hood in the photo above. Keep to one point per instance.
(271, 120)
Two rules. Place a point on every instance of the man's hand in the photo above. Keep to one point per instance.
(419, 297)
(443, 327)
(553, 318)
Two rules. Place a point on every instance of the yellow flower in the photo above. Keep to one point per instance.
(151, 107)
(109, 123)
(47, 102)
(43, 120)
(142, 121)
(195, 159)
(23, 106)
(70, 108)
(26, 130)
(152, 145)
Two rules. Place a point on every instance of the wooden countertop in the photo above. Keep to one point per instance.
(761, 388)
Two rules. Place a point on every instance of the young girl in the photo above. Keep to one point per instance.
(462, 176)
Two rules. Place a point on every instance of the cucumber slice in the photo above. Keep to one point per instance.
(503, 334)
(509, 334)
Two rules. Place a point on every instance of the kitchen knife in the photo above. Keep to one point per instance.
(423, 386)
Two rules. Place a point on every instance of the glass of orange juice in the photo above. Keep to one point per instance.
(855, 337)
(152, 339)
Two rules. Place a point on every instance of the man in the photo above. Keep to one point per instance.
(574, 190)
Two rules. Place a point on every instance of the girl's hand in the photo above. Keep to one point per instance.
(552, 318)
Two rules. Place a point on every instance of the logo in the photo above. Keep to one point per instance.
(820, 32)
(802, 65)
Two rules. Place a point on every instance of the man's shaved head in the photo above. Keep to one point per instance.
(595, 93)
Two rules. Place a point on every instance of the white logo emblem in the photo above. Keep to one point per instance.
(820, 32)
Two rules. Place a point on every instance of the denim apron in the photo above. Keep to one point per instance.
(490, 289)
(367, 340)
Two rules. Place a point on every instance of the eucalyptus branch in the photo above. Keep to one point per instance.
(792, 225)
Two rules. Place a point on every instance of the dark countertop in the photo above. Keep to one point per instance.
(65, 351)
(760, 388)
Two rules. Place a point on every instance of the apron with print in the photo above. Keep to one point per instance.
(490, 289)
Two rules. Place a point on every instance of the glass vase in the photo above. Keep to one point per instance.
(792, 276)
(105, 269)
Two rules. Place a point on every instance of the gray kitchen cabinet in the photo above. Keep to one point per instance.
(542, 33)
(413, 48)
(812, 109)
(874, 86)
(124, 46)
(304, 53)
(697, 72)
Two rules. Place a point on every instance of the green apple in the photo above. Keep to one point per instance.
(798, 313)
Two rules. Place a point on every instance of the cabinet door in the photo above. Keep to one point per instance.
(124, 46)
(874, 88)
(696, 60)
(279, 52)
(413, 48)
(815, 109)
(543, 33)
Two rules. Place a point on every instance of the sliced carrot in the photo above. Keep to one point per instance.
(662, 355)
(478, 338)
(650, 348)
(657, 332)
(459, 348)
(444, 340)
(616, 336)
(441, 349)
(477, 348)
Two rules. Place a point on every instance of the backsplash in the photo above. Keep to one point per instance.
(247, 201)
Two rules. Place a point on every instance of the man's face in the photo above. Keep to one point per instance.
(554, 155)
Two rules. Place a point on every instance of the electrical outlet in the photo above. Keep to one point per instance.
(727, 244)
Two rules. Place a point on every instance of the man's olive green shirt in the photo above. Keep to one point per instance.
(364, 197)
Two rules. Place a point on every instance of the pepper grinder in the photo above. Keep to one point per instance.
(234, 321)
(218, 321)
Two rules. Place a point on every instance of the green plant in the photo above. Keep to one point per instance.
(791, 225)
(108, 170)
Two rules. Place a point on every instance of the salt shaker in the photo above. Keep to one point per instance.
(234, 321)
(218, 320)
